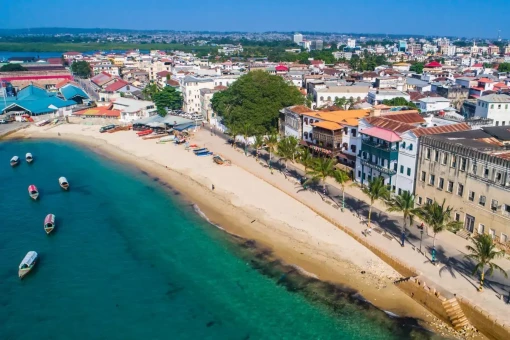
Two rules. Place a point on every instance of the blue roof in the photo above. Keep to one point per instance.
(70, 91)
(35, 100)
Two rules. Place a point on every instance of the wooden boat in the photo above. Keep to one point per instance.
(29, 158)
(220, 160)
(106, 128)
(205, 153)
(27, 264)
(200, 150)
(180, 141)
(144, 132)
(33, 192)
(167, 139)
(42, 122)
(152, 136)
(14, 161)
(64, 184)
(49, 223)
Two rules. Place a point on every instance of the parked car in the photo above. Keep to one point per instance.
(3, 121)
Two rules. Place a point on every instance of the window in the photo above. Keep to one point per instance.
(436, 157)
(486, 173)
(449, 188)
(346, 130)
(423, 176)
(395, 166)
(429, 201)
(498, 176)
(441, 183)
(471, 196)
(457, 217)
(474, 168)
(403, 145)
(503, 123)
(494, 205)
(408, 171)
(353, 132)
(503, 238)
(497, 123)
(410, 147)
(427, 153)
(492, 106)
(481, 228)
(506, 209)
(499, 106)
(460, 190)
(419, 200)
(399, 191)
(482, 200)
(432, 179)
(353, 148)
(359, 173)
(492, 232)
(310, 135)
(444, 160)
(453, 162)
(463, 163)
(305, 134)
(306, 121)
(401, 169)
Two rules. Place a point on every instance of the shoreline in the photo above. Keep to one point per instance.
(310, 260)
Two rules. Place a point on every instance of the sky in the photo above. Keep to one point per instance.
(465, 18)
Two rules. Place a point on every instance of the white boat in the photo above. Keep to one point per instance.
(29, 158)
(49, 223)
(42, 122)
(33, 192)
(64, 184)
(27, 264)
(14, 161)
(167, 139)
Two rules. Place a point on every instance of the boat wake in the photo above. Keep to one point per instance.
(204, 216)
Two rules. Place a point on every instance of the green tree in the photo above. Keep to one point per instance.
(81, 69)
(376, 189)
(321, 169)
(256, 97)
(483, 254)
(306, 157)
(288, 148)
(234, 130)
(438, 217)
(168, 98)
(404, 203)
(399, 101)
(12, 68)
(309, 101)
(504, 67)
(341, 102)
(150, 90)
(271, 142)
(341, 177)
(247, 132)
(487, 65)
(258, 144)
(417, 67)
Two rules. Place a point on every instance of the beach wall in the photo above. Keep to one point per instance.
(483, 321)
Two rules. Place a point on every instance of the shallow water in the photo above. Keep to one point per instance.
(130, 259)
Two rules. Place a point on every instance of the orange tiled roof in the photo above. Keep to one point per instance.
(101, 111)
(339, 116)
(328, 125)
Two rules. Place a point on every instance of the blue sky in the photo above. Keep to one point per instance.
(430, 17)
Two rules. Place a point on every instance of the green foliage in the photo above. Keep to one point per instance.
(417, 67)
(487, 65)
(81, 69)
(12, 68)
(341, 177)
(367, 62)
(375, 190)
(483, 254)
(288, 149)
(439, 218)
(504, 67)
(255, 98)
(404, 203)
(271, 143)
(305, 157)
(258, 144)
(321, 169)
(150, 90)
(399, 101)
(168, 98)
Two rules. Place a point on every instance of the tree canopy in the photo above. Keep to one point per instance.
(417, 67)
(504, 67)
(12, 68)
(168, 98)
(399, 101)
(255, 98)
(81, 69)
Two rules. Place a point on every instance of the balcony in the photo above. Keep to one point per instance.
(375, 166)
(385, 150)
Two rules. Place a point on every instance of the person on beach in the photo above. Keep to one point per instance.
(213, 186)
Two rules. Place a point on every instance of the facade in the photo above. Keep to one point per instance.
(328, 95)
(191, 92)
(47, 79)
(456, 93)
(205, 103)
(132, 109)
(495, 107)
(298, 38)
(114, 70)
(433, 104)
(470, 171)
(377, 97)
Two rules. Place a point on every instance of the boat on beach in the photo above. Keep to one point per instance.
(33, 192)
(27, 264)
(204, 153)
(165, 139)
(49, 223)
(218, 159)
(144, 132)
(64, 184)
(200, 150)
(29, 158)
(14, 161)
(42, 122)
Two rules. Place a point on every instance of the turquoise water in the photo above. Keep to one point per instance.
(130, 259)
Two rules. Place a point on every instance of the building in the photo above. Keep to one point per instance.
(378, 96)
(456, 93)
(351, 43)
(71, 91)
(114, 70)
(469, 171)
(327, 96)
(433, 104)
(495, 107)
(132, 109)
(47, 79)
(205, 102)
(298, 38)
(191, 87)
(316, 45)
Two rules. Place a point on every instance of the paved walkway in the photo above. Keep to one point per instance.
(453, 272)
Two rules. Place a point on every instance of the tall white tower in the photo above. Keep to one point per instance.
(298, 38)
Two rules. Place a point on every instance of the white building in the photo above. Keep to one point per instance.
(495, 107)
(191, 92)
(431, 104)
(108, 68)
(351, 43)
(377, 97)
(327, 96)
(298, 38)
(132, 109)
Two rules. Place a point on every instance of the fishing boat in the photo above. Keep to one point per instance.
(27, 264)
(220, 160)
(200, 150)
(64, 184)
(42, 122)
(29, 158)
(106, 128)
(144, 132)
(49, 223)
(32, 191)
(167, 139)
(204, 153)
(14, 161)
(180, 141)
(152, 136)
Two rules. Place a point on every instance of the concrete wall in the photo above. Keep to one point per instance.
(93, 121)
(425, 295)
(482, 321)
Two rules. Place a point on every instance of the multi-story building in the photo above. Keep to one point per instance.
(470, 171)
(191, 92)
(205, 103)
(351, 43)
(328, 95)
(495, 107)
(378, 96)
(106, 67)
(298, 38)
(433, 104)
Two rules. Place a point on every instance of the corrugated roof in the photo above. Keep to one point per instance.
(338, 116)
(116, 85)
(408, 117)
(434, 130)
(102, 111)
(389, 124)
(71, 91)
(384, 134)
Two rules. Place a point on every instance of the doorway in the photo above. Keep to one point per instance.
(469, 224)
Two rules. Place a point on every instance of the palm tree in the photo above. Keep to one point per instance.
(234, 131)
(150, 90)
(483, 253)
(404, 203)
(306, 157)
(439, 218)
(375, 190)
(288, 148)
(246, 131)
(322, 168)
(271, 142)
(341, 177)
(258, 144)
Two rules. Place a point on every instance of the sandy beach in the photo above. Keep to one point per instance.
(251, 208)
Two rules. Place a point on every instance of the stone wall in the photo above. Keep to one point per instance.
(483, 321)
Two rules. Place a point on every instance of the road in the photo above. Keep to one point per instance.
(10, 127)
(88, 87)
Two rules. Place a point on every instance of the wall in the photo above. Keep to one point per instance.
(407, 159)
(482, 321)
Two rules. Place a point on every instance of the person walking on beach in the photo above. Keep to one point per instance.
(212, 187)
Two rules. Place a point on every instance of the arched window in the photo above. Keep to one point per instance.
(306, 121)
(329, 98)
(403, 145)
(322, 98)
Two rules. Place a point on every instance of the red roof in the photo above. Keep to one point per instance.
(484, 80)
(383, 134)
(477, 65)
(64, 82)
(408, 117)
(220, 87)
(317, 62)
(116, 85)
(54, 61)
(163, 73)
(389, 124)
(281, 68)
(433, 130)
(434, 64)
(102, 111)
(72, 53)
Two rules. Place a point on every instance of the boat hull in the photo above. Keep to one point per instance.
(24, 272)
(64, 186)
(30, 160)
(14, 163)
(48, 230)
(34, 196)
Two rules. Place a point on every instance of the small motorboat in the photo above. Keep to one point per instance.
(33, 192)
(49, 223)
(167, 139)
(200, 150)
(204, 153)
(29, 158)
(14, 161)
(64, 184)
(27, 264)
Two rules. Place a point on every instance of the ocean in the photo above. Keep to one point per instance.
(131, 259)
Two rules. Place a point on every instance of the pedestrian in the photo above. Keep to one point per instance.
(213, 186)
